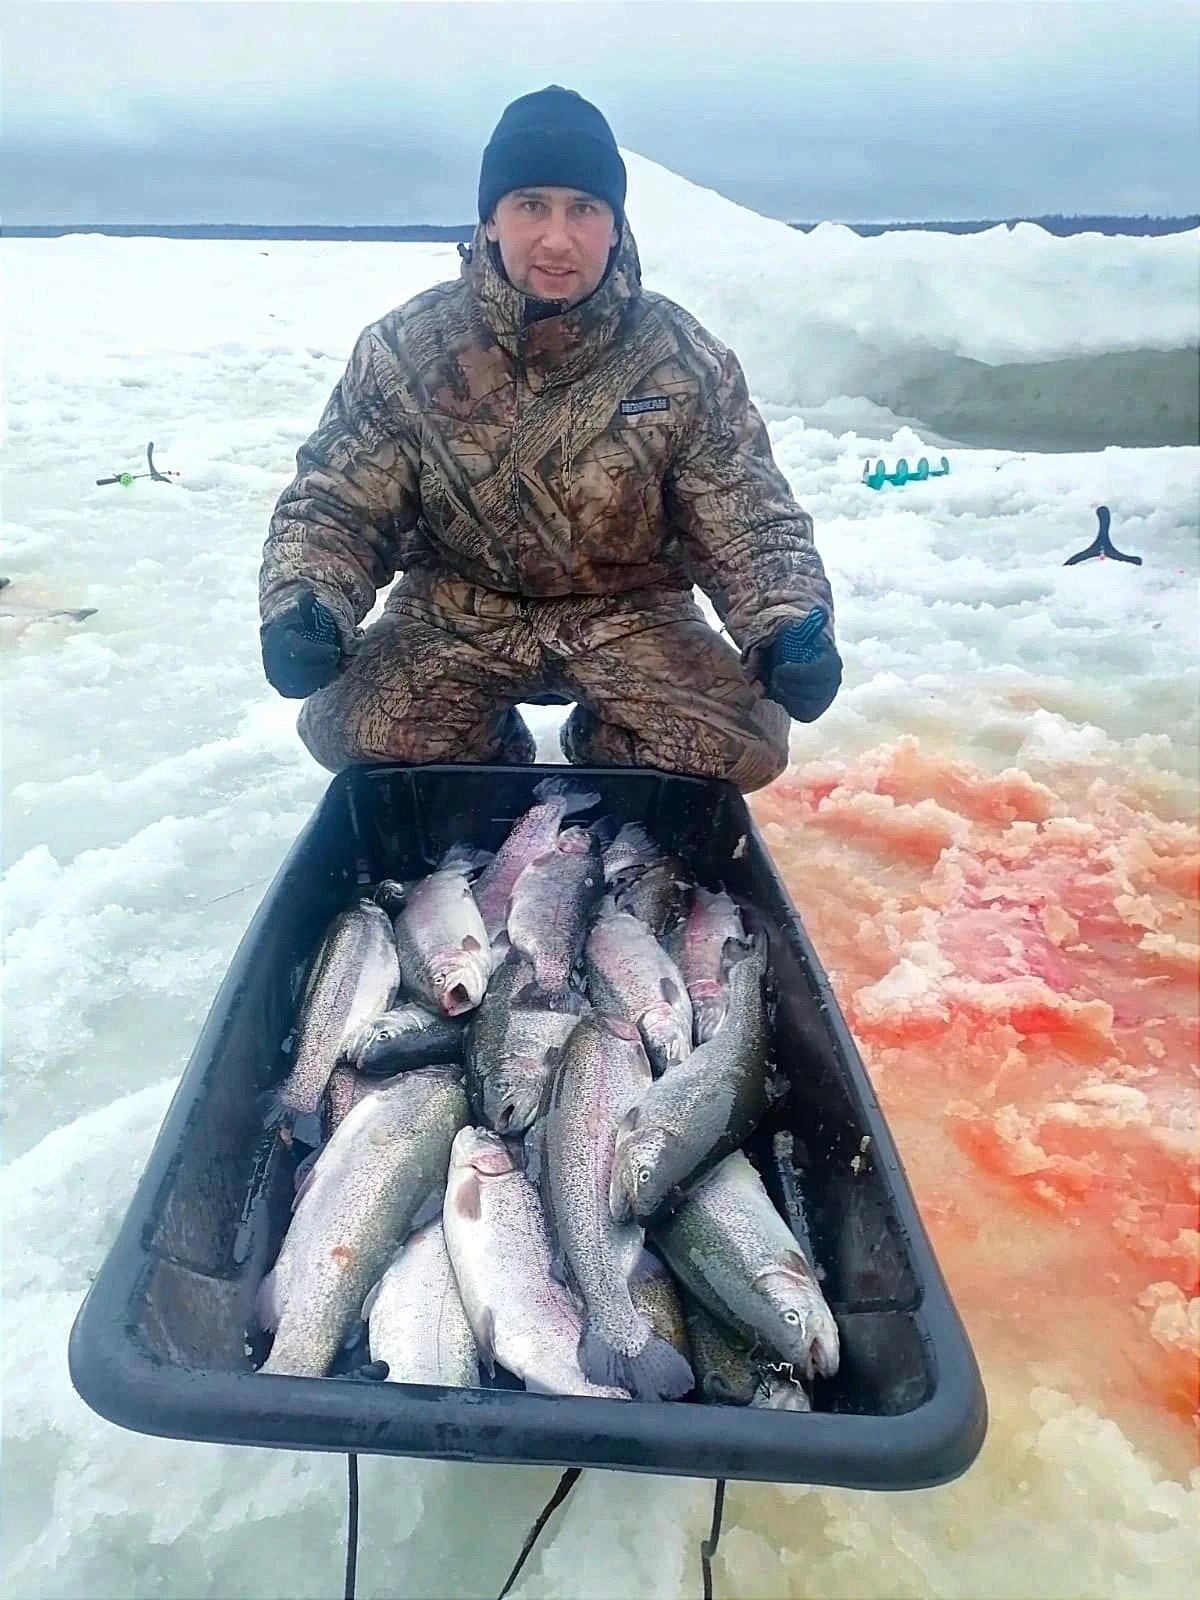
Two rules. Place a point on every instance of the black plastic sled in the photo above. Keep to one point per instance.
(160, 1343)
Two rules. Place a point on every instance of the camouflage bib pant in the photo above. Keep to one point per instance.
(439, 676)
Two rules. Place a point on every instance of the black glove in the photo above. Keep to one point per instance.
(301, 648)
(802, 669)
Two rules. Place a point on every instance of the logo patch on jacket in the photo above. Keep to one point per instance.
(650, 402)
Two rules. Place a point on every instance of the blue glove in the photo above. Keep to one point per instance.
(802, 669)
(301, 648)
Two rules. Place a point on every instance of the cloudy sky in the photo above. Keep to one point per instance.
(372, 111)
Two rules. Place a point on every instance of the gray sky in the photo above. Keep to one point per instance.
(370, 111)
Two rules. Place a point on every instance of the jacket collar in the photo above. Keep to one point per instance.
(554, 348)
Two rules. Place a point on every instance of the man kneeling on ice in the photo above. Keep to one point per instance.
(551, 457)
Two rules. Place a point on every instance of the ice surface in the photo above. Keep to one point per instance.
(991, 836)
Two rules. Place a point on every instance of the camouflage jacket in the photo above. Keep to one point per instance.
(609, 449)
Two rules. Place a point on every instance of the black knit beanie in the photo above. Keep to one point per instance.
(557, 137)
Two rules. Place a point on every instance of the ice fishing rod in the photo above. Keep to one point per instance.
(126, 478)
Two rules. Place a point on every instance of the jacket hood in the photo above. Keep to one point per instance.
(555, 347)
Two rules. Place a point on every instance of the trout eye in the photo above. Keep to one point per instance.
(792, 1318)
(642, 1177)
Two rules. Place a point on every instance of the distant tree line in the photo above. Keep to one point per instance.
(429, 234)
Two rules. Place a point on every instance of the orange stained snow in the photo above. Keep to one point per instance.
(1018, 962)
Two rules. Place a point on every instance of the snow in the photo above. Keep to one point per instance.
(1001, 714)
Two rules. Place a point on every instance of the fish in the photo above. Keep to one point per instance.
(729, 1373)
(631, 850)
(353, 979)
(415, 1317)
(445, 954)
(653, 1292)
(604, 1071)
(358, 1202)
(630, 975)
(732, 1251)
(702, 1109)
(781, 1391)
(549, 911)
(410, 1035)
(511, 1050)
(532, 835)
(704, 945)
(500, 1248)
(656, 896)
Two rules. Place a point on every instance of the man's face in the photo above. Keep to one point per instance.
(554, 242)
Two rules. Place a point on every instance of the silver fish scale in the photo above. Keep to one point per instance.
(508, 1046)
(515, 1087)
(354, 979)
(631, 974)
(550, 907)
(722, 1241)
(698, 946)
(632, 849)
(383, 1161)
(346, 1089)
(489, 1025)
(656, 896)
(725, 1371)
(599, 1080)
(705, 1106)
(532, 835)
(416, 1319)
(500, 1248)
(653, 1292)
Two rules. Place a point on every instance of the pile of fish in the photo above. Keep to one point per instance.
(525, 1080)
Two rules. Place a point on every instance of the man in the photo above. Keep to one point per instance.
(551, 457)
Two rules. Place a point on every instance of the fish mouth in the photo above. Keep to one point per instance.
(517, 1112)
(573, 842)
(482, 1150)
(667, 1042)
(457, 999)
(458, 991)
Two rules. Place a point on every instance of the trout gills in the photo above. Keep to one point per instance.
(354, 978)
(732, 1251)
(357, 1204)
(499, 1245)
(603, 1073)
